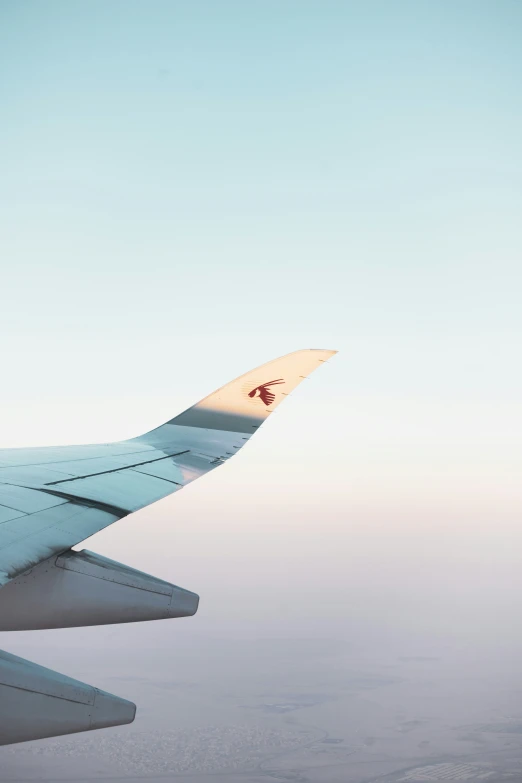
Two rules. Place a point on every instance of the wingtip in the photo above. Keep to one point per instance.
(329, 351)
(316, 350)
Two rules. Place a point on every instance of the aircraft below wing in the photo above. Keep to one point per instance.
(53, 498)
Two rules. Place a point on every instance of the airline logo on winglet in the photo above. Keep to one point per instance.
(264, 393)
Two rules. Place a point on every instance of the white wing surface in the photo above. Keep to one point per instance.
(54, 498)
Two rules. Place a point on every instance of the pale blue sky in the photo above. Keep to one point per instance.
(248, 178)
(189, 189)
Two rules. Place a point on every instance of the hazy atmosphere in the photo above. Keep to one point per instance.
(190, 189)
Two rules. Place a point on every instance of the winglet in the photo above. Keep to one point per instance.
(243, 404)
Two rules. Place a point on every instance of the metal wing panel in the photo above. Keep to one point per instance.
(27, 500)
(164, 469)
(32, 524)
(9, 513)
(193, 465)
(88, 522)
(177, 437)
(62, 472)
(89, 467)
(38, 536)
(30, 475)
(43, 455)
(126, 490)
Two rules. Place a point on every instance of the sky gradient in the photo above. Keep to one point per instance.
(190, 189)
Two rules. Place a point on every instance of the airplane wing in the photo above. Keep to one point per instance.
(53, 498)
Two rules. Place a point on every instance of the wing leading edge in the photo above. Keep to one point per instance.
(53, 498)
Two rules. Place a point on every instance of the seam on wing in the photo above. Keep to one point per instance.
(48, 695)
(89, 502)
(116, 470)
(161, 478)
(48, 465)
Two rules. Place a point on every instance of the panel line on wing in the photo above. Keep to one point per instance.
(162, 478)
(55, 461)
(118, 469)
(89, 502)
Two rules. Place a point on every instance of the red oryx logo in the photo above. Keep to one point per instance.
(263, 391)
